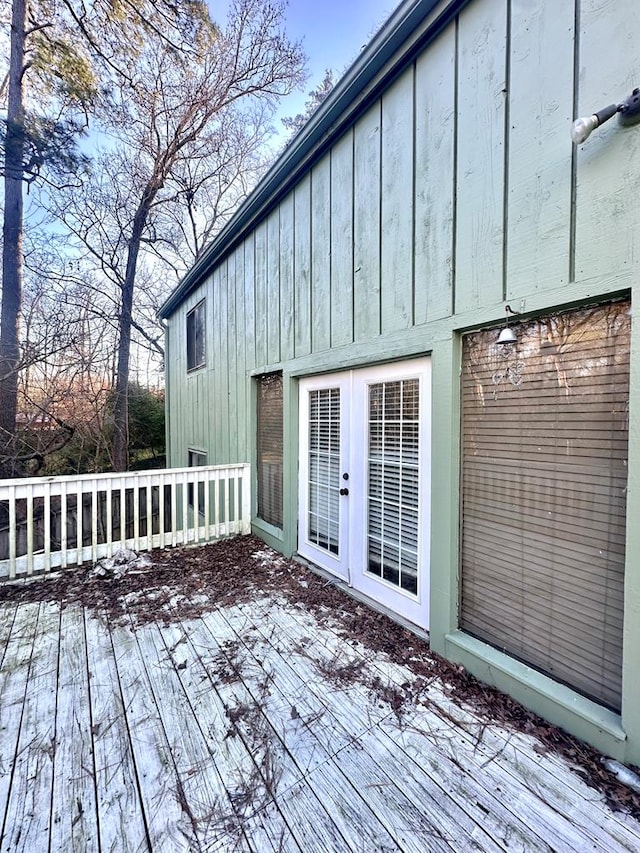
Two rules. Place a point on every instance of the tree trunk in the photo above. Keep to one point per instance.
(120, 447)
(12, 244)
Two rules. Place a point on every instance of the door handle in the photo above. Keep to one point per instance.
(344, 491)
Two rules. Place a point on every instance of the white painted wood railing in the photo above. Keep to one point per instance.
(55, 522)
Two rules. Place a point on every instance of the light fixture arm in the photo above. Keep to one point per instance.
(582, 128)
(628, 111)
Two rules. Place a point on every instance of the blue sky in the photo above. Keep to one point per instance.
(332, 32)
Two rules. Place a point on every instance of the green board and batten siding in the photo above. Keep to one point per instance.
(453, 189)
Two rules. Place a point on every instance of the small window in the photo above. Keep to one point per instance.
(195, 337)
(270, 448)
(196, 459)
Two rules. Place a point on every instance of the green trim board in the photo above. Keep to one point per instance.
(631, 633)
(555, 702)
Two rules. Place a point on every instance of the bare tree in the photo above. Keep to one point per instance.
(12, 227)
(314, 98)
(65, 365)
(186, 128)
(59, 49)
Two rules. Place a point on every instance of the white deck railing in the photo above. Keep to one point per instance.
(55, 522)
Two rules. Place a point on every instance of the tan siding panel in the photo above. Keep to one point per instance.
(250, 302)
(287, 301)
(321, 255)
(607, 211)
(261, 295)
(240, 357)
(539, 174)
(302, 262)
(232, 360)
(342, 241)
(273, 287)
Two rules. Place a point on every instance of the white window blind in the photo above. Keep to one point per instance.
(324, 469)
(393, 485)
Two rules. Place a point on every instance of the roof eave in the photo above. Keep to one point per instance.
(323, 126)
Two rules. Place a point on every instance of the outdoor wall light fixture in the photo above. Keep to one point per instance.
(507, 335)
(628, 114)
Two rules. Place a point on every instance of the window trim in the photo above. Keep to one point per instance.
(191, 463)
(191, 332)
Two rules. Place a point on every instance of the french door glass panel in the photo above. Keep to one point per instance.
(393, 482)
(323, 521)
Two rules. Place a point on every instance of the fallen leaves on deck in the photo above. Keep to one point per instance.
(184, 583)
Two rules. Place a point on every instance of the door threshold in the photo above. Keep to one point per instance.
(341, 584)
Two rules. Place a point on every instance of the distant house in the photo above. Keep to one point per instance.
(342, 335)
(34, 421)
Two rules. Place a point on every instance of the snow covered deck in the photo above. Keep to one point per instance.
(259, 725)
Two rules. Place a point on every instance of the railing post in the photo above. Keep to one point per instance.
(79, 521)
(161, 510)
(29, 530)
(174, 510)
(12, 532)
(47, 527)
(108, 512)
(149, 518)
(246, 499)
(94, 520)
(63, 525)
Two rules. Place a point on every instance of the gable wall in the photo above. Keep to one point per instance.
(456, 191)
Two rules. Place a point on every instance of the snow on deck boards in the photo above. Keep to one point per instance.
(256, 728)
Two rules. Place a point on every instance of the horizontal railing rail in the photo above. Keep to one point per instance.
(55, 522)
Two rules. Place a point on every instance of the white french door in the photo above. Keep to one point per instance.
(322, 521)
(364, 479)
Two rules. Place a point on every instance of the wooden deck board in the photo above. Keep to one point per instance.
(338, 802)
(536, 824)
(28, 815)
(400, 808)
(511, 752)
(470, 823)
(242, 763)
(119, 806)
(13, 685)
(168, 824)
(74, 820)
(7, 616)
(199, 787)
(235, 732)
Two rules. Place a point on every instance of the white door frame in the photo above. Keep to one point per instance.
(351, 562)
